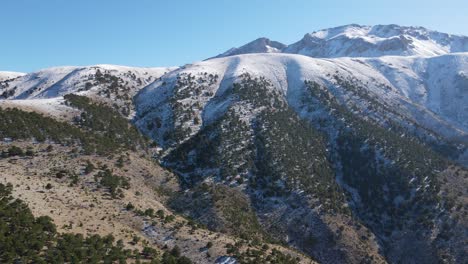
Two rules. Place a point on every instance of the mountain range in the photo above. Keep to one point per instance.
(348, 146)
(362, 41)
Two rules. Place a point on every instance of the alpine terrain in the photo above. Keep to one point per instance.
(348, 146)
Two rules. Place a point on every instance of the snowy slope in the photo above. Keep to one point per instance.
(368, 41)
(114, 85)
(7, 75)
(440, 84)
(375, 41)
(414, 88)
(53, 82)
(54, 107)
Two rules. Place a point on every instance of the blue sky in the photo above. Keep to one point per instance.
(37, 34)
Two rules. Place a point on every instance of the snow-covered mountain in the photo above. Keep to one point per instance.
(430, 92)
(261, 45)
(57, 81)
(264, 123)
(111, 83)
(353, 157)
(366, 41)
(7, 75)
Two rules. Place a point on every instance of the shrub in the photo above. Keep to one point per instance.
(129, 207)
(15, 151)
(89, 167)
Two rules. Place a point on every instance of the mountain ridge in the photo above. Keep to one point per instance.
(6, 75)
(276, 67)
(355, 40)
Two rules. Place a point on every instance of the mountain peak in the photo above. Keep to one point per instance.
(330, 33)
(260, 45)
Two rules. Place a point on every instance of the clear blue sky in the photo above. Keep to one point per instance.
(37, 34)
